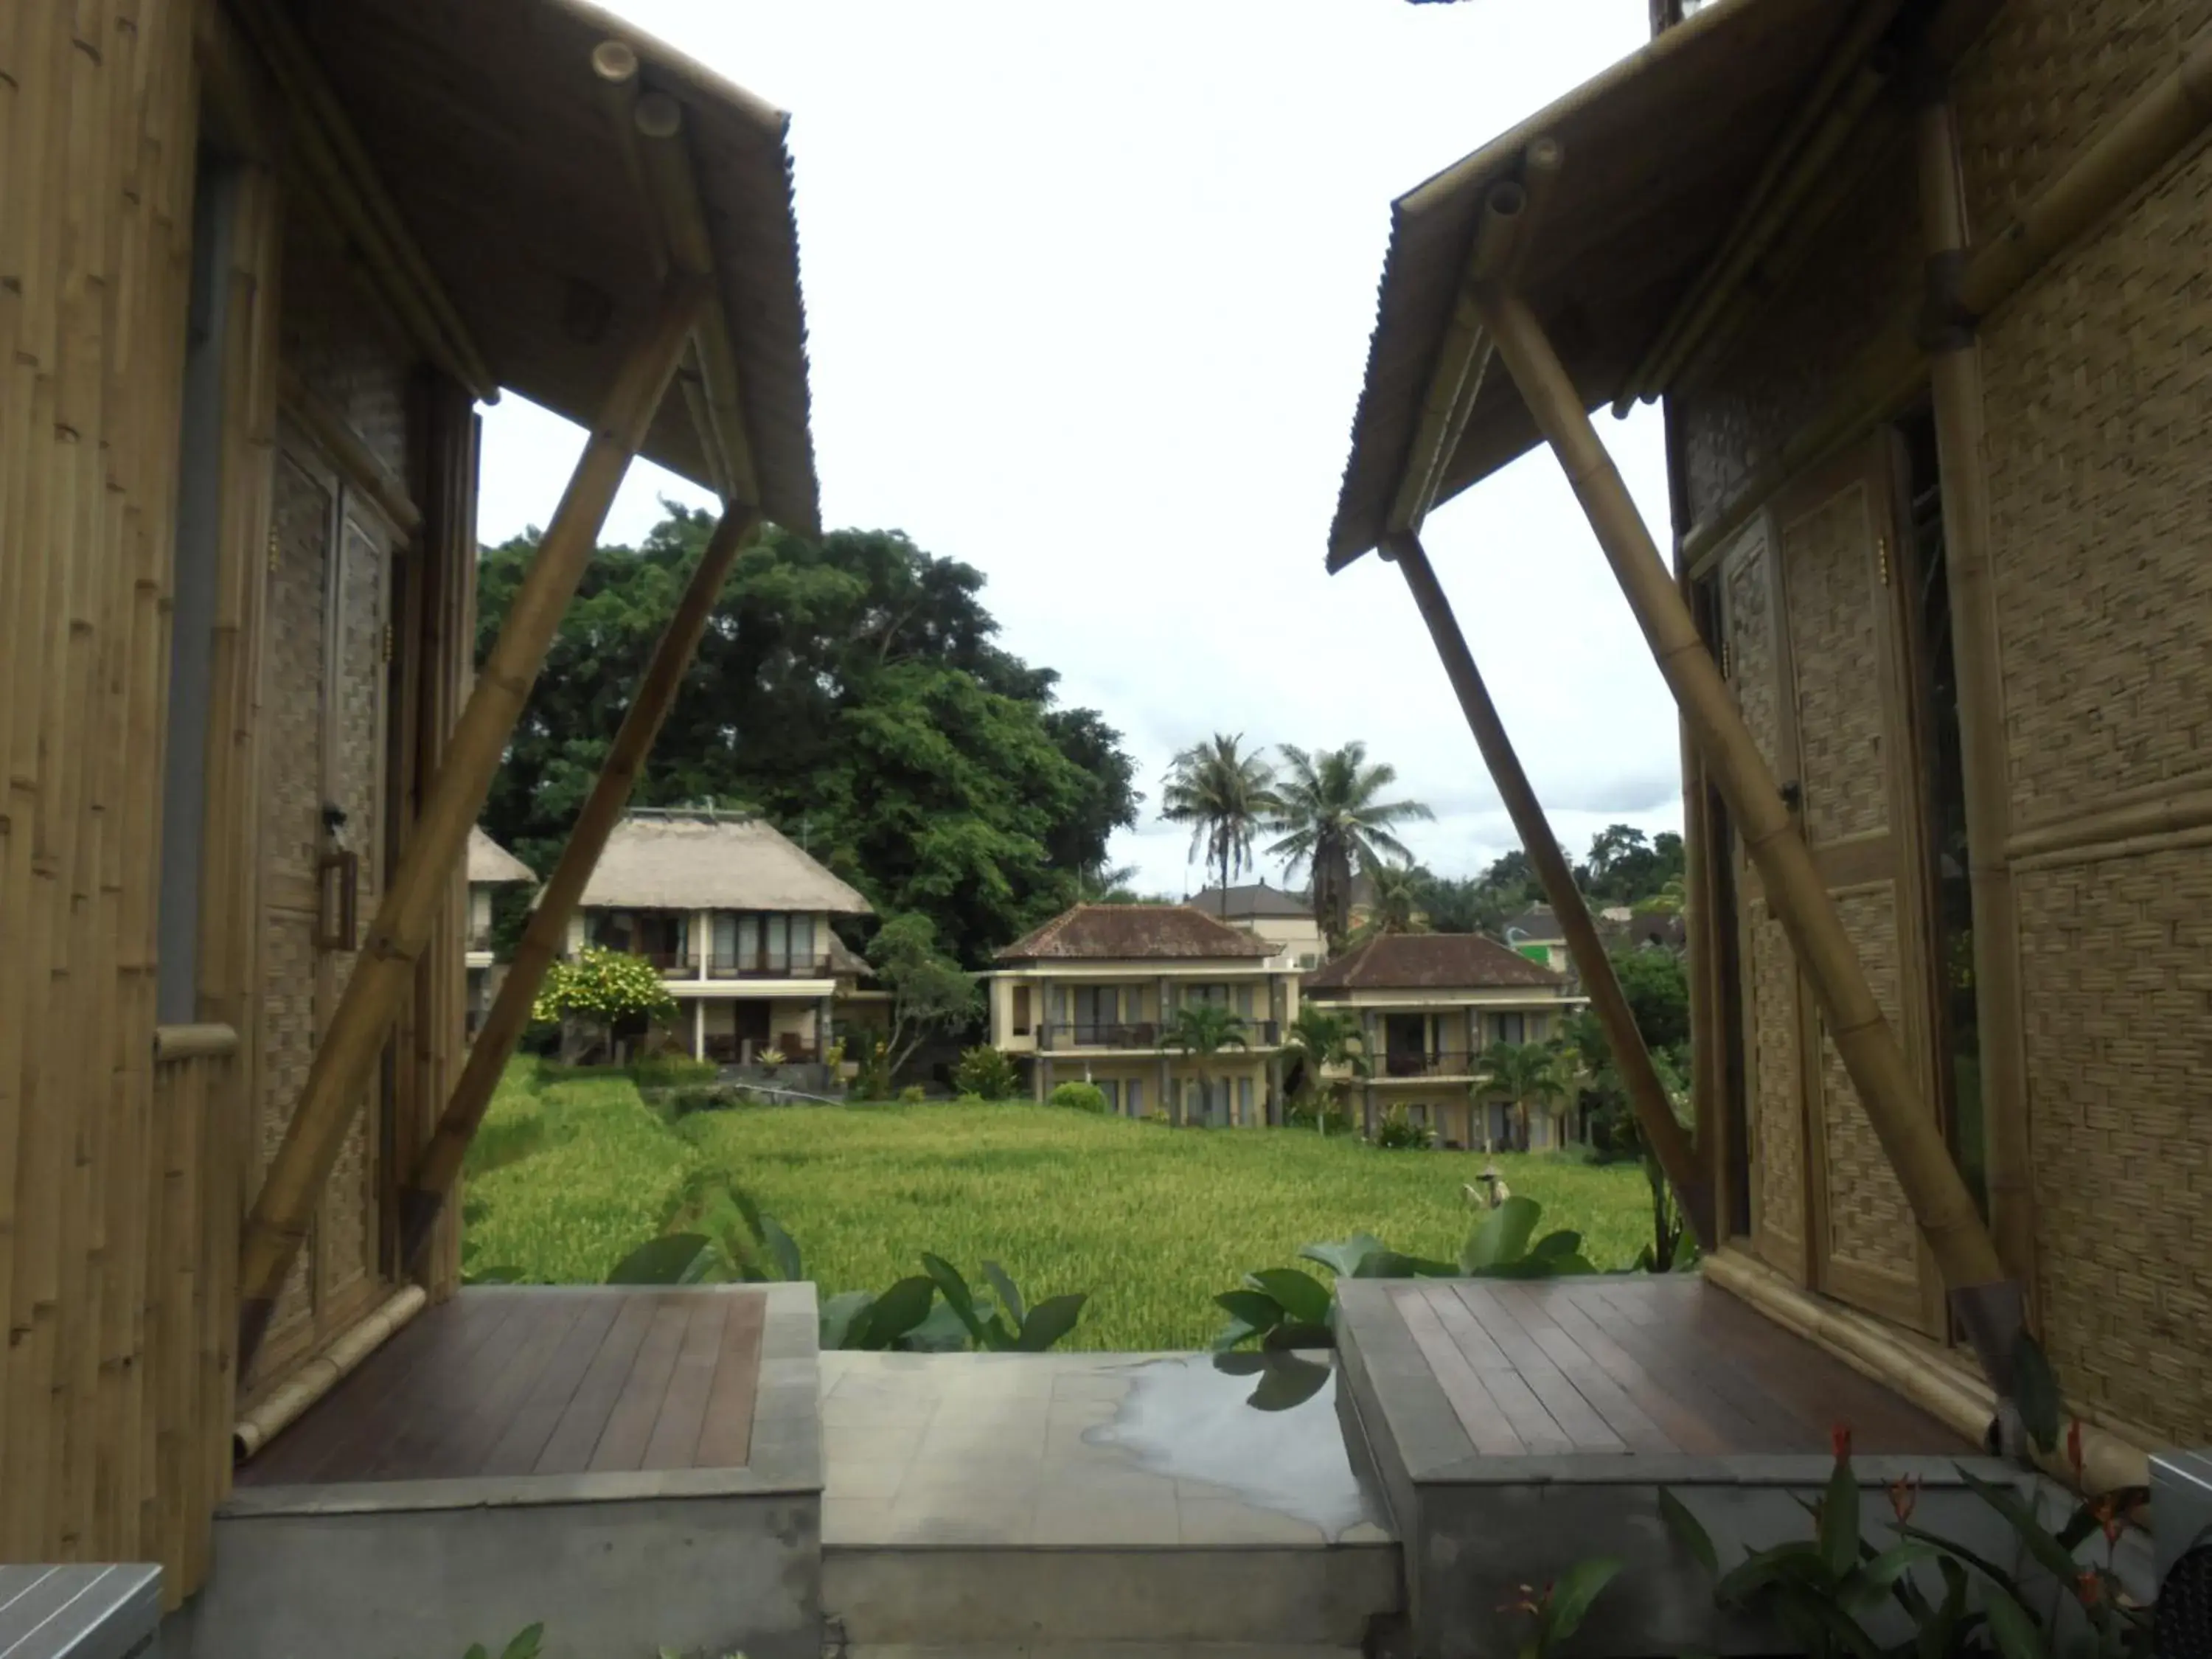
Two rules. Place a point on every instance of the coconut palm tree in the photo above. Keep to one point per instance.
(1226, 796)
(1321, 1038)
(1202, 1030)
(1397, 905)
(1521, 1072)
(1334, 824)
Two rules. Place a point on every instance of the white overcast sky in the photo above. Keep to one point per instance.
(1089, 291)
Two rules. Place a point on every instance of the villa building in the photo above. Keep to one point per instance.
(737, 918)
(1283, 920)
(490, 866)
(1428, 1005)
(1092, 996)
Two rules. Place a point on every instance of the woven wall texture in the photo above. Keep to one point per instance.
(1870, 1224)
(1824, 559)
(1778, 1127)
(339, 343)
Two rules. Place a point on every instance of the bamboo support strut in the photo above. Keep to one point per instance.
(2155, 129)
(1955, 375)
(337, 1361)
(349, 1047)
(544, 936)
(1988, 1302)
(1655, 1115)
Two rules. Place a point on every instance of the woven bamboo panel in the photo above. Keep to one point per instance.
(1753, 674)
(2117, 969)
(1870, 1224)
(1778, 1134)
(1864, 273)
(2046, 79)
(1834, 653)
(2099, 406)
(339, 344)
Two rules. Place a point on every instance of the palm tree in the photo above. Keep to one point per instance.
(1322, 1037)
(1105, 884)
(1521, 1072)
(1397, 906)
(1226, 797)
(1202, 1030)
(1333, 824)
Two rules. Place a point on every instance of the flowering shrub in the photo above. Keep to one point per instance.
(603, 989)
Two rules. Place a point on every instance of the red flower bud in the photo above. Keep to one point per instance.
(1903, 1495)
(2089, 1587)
(1839, 1442)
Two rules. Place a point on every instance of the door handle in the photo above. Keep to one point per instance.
(338, 875)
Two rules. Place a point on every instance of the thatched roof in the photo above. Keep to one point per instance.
(680, 862)
(1429, 962)
(1126, 932)
(482, 118)
(1658, 153)
(492, 863)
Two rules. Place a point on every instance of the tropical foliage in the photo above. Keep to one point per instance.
(1226, 796)
(602, 991)
(1202, 1030)
(1078, 1097)
(1395, 907)
(1398, 1132)
(1526, 1074)
(1333, 824)
(929, 993)
(854, 692)
(1322, 1040)
(986, 1073)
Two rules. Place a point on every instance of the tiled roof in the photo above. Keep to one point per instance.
(1122, 933)
(1430, 962)
(1247, 902)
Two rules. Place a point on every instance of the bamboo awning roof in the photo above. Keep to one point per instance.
(1659, 151)
(492, 864)
(484, 122)
(683, 861)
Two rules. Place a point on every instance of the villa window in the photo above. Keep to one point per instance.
(776, 942)
(1096, 1007)
(1243, 1099)
(1133, 1102)
(802, 940)
(1111, 1089)
(1508, 1028)
(1021, 1011)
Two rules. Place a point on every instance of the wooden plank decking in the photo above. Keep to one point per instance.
(513, 1381)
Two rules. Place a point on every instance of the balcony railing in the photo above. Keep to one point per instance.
(1443, 1063)
(1142, 1034)
(479, 939)
(771, 964)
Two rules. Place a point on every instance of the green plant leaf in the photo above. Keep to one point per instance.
(1691, 1530)
(2035, 1391)
(2054, 1559)
(784, 1248)
(1989, 1569)
(1286, 1337)
(1873, 1579)
(476, 1651)
(747, 1209)
(1255, 1308)
(1049, 1321)
(1502, 1236)
(1763, 1568)
(525, 1643)
(941, 1332)
(1553, 1246)
(1235, 1332)
(1571, 1596)
(957, 1296)
(895, 1312)
(2012, 1627)
(1287, 1380)
(1839, 1521)
(661, 1261)
(707, 1267)
(1389, 1264)
(1009, 1296)
(1939, 1634)
(841, 1315)
(1300, 1295)
(1343, 1257)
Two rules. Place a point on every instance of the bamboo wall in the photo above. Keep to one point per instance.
(2099, 454)
(128, 1153)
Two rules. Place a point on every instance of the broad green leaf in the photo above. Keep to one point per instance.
(1343, 1258)
(1255, 1307)
(1762, 1568)
(750, 1212)
(1691, 1530)
(476, 1651)
(525, 1643)
(2058, 1562)
(1989, 1569)
(941, 1332)
(709, 1267)
(841, 1314)
(1939, 1633)
(1284, 1338)
(1839, 1521)
(2035, 1391)
(1552, 1246)
(1301, 1296)
(1234, 1332)
(1502, 1236)
(1873, 1578)
(1049, 1321)
(947, 1278)
(1010, 1298)
(1571, 1596)
(896, 1311)
(1286, 1382)
(660, 1260)
(784, 1248)
(2013, 1629)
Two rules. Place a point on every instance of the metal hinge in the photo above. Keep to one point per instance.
(1728, 660)
(273, 552)
(387, 642)
(1882, 558)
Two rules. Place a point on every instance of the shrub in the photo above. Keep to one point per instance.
(913, 1095)
(602, 990)
(1399, 1133)
(986, 1073)
(1080, 1096)
(1318, 1113)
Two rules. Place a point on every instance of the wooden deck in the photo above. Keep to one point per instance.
(1648, 1366)
(509, 1380)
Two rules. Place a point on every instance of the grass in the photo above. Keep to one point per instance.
(573, 1171)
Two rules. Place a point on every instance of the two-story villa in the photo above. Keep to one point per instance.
(1283, 920)
(1428, 1005)
(1092, 996)
(490, 866)
(737, 918)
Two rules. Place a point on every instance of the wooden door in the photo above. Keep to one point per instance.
(325, 852)
(1816, 630)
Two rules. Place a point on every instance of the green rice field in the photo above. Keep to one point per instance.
(572, 1170)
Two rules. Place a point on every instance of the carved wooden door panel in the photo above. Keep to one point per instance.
(1856, 771)
(323, 766)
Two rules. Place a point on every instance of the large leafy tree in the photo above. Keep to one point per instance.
(852, 691)
(1227, 796)
(1626, 866)
(1334, 824)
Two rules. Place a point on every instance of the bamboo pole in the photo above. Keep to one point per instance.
(546, 933)
(1987, 1300)
(283, 1208)
(1655, 1115)
(1976, 649)
(339, 1359)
